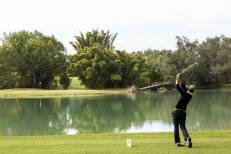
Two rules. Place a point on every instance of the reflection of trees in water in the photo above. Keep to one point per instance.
(105, 114)
(208, 110)
(30, 117)
(52, 116)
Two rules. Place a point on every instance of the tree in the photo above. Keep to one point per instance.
(98, 65)
(64, 80)
(140, 71)
(95, 67)
(8, 78)
(215, 59)
(35, 58)
(212, 55)
(105, 39)
(157, 64)
(93, 60)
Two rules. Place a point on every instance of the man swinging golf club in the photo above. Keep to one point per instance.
(179, 113)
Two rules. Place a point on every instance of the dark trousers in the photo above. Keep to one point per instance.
(179, 118)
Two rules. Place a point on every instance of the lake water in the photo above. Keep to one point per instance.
(143, 112)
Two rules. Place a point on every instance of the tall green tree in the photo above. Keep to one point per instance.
(98, 65)
(35, 58)
(157, 63)
(105, 39)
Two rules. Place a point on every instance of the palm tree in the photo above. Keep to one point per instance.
(90, 38)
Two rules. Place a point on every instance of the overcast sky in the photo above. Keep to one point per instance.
(140, 24)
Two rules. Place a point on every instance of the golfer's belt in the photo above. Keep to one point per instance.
(179, 110)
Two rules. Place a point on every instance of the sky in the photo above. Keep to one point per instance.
(140, 24)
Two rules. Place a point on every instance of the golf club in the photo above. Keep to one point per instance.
(185, 70)
(188, 68)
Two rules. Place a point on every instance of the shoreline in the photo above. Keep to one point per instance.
(60, 93)
(40, 93)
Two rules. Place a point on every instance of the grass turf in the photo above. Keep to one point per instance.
(214, 142)
(40, 93)
(75, 89)
(76, 84)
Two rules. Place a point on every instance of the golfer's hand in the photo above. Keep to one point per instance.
(178, 76)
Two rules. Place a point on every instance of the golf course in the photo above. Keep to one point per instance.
(208, 142)
(48, 140)
(115, 77)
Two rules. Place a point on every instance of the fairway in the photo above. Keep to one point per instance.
(76, 84)
(214, 142)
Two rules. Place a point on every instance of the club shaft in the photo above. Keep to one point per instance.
(188, 68)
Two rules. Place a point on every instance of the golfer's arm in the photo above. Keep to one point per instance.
(178, 87)
(181, 90)
(183, 87)
(182, 84)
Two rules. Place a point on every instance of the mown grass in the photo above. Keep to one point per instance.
(75, 89)
(76, 84)
(39, 93)
(215, 142)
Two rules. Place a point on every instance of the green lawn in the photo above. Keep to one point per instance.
(40, 93)
(75, 89)
(76, 84)
(216, 142)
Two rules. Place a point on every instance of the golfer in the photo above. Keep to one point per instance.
(179, 113)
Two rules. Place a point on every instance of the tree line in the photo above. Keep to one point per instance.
(34, 60)
(213, 57)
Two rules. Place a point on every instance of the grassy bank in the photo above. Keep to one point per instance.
(216, 142)
(39, 93)
(75, 89)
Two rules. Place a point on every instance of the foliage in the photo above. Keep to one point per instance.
(33, 58)
(157, 64)
(105, 39)
(98, 65)
(64, 80)
(76, 84)
(7, 78)
(212, 55)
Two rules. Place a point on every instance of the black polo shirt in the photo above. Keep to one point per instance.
(184, 98)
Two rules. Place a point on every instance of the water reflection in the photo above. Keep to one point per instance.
(151, 126)
(145, 112)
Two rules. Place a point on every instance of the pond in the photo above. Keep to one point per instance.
(143, 112)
